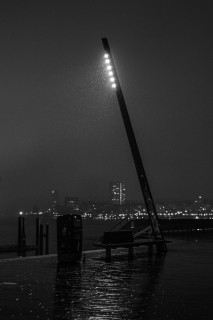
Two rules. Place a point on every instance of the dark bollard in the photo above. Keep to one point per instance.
(37, 235)
(47, 238)
(41, 240)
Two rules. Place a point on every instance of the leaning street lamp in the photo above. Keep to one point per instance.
(109, 69)
(115, 84)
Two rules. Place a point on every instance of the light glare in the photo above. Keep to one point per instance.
(106, 55)
(109, 67)
(112, 79)
(107, 61)
(113, 85)
(110, 73)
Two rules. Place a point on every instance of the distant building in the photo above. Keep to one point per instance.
(117, 193)
(71, 203)
(55, 200)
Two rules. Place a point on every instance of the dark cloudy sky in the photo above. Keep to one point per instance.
(60, 124)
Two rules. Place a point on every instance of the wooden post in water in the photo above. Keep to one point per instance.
(41, 240)
(47, 238)
(37, 235)
(21, 237)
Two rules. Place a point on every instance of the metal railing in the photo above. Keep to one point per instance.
(147, 229)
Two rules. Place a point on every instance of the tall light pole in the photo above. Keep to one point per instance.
(149, 202)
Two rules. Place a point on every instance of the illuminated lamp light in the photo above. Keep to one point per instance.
(109, 67)
(106, 56)
(107, 61)
(112, 79)
(110, 73)
(113, 85)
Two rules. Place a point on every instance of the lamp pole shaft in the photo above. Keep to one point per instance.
(149, 202)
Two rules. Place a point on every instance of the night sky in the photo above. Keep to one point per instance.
(60, 124)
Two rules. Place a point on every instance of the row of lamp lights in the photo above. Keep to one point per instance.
(110, 70)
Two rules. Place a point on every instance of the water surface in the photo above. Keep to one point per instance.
(175, 286)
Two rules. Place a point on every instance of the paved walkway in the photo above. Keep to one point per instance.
(37, 288)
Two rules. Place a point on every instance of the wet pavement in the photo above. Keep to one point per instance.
(174, 286)
(39, 288)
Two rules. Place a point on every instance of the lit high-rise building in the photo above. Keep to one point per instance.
(117, 193)
(72, 203)
(55, 197)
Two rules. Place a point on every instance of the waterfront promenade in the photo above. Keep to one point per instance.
(38, 288)
(172, 286)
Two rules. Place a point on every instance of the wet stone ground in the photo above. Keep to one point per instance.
(39, 288)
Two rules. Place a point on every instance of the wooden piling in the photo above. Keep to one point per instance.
(47, 239)
(37, 235)
(41, 240)
(21, 237)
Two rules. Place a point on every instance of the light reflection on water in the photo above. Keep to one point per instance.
(176, 286)
(99, 290)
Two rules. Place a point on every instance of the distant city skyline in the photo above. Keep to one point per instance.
(199, 208)
(117, 194)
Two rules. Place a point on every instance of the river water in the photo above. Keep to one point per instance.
(174, 286)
